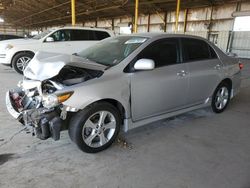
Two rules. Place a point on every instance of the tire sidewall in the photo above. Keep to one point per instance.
(214, 108)
(18, 56)
(77, 122)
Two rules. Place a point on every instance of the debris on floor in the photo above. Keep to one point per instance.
(121, 142)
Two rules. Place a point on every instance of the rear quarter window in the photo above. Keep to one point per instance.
(196, 50)
(100, 35)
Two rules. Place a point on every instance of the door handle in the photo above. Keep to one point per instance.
(217, 67)
(182, 73)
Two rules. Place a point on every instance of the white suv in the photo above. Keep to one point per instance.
(68, 40)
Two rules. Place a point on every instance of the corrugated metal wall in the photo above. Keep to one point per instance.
(240, 43)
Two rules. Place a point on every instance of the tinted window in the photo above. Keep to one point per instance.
(81, 35)
(100, 35)
(6, 37)
(2, 37)
(61, 35)
(12, 37)
(213, 55)
(195, 50)
(163, 52)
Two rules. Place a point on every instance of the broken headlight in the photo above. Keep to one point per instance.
(53, 100)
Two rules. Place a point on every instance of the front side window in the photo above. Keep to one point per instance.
(112, 51)
(61, 35)
(195, 50)
(163, 52)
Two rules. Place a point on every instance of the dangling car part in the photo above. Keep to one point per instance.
(122, 83)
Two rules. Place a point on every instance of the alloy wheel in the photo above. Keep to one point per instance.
(222, 97)
(99, 129)
(22, 62)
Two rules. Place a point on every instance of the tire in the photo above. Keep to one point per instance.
(221, 97)
(90, 132)
(21, 60)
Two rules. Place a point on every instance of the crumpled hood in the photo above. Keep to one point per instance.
(46, 65)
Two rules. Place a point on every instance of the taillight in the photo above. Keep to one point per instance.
(241, 66)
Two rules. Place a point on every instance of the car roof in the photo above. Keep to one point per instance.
(157, 35)
(88, 28)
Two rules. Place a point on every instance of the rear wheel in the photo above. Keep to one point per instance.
(95, 128)
(21, 60)
(221, 97)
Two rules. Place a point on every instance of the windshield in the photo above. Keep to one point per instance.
(41, 35)
(113, 50)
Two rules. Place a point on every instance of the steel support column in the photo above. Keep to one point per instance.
(185, 20)
(177, 15)
(136, 15)
(73, 12)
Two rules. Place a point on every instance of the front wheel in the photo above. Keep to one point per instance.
(21, 60)
(221, 97)
(95, 128)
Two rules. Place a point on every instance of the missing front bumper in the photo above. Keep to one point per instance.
(10, 107)
(46, 123)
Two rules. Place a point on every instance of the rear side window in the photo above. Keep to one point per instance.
(195, 50)
(212, 53)
(164, 52)
(100, 35)
(78, 35)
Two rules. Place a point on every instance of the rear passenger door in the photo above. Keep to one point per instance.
(163, 89)
(203, 69)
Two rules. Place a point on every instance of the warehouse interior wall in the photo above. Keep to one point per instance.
(215, 23)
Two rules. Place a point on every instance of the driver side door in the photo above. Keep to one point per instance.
(163, 89)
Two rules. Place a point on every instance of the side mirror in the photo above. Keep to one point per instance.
(231, 54)
(144, 64)
(49, 39)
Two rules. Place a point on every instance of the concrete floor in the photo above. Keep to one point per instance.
(195, 150)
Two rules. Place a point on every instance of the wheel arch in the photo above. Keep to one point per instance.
(18, 52)
(228, 81)
(116, 104)
(225, 80)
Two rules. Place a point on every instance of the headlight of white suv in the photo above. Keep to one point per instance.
(53, 100)
(8, 47)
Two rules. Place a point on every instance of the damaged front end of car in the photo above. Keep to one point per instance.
(49, 79)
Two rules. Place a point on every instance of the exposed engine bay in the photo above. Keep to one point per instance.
(38, 104)
(70, 75)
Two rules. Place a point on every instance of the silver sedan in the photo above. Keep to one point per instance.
(122, 83)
